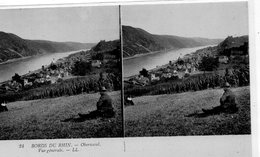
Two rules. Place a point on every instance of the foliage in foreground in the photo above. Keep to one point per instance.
(208, 63)
(81, 68)
(68, 87)
(239, 77)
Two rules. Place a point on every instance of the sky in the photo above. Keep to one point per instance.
(210, 20)
(78, 24)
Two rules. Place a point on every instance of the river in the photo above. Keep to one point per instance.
(23, 66)
(133, 65)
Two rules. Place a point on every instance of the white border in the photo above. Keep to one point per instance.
(117, 145)
(255, 74)
(14, 4)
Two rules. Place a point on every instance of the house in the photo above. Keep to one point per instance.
(144, 80)
(15, 85)
(53, 80)
(27, 83)
(40, 80)
(153, 77)
(187, 71)
(59, 76)
(66, 74)
(167, 75)
(223, 59)
(179, 67)
(96, 63)
(52, 72)
(193, 69)
(188, 65)
(166, 70)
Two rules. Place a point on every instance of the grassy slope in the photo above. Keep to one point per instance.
(164, 115)
(41, 119)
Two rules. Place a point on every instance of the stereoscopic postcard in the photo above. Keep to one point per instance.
(127, 78)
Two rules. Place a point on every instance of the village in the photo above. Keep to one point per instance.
(186, 66)
(49, 74)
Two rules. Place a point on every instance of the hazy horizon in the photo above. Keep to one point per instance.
(63, 24)
(204, 20)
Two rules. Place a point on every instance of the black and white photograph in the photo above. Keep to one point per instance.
(60, 73)
(186, 69)
(129, 78)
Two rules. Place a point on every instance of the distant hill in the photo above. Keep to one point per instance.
(13, 46)
(106, 45)
(108, 50)
(139, 41)
(231, 41)
(234, 46)
(102, 50)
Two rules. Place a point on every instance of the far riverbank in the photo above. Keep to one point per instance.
(150, 61)
(145, 54)
(25, 65)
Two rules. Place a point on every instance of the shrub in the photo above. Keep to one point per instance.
(98, 56)
(53, 66)
(208, 63)
(81, 68)
(144, 72)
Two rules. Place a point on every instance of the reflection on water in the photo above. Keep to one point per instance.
(134, 65)
(23, 66)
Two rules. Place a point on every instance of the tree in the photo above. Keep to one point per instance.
(144, 72)
(16, 77)
(180, 61)
(117, 51)
(98, 56)
(81, 68)
(53, 66)
(208, 63)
